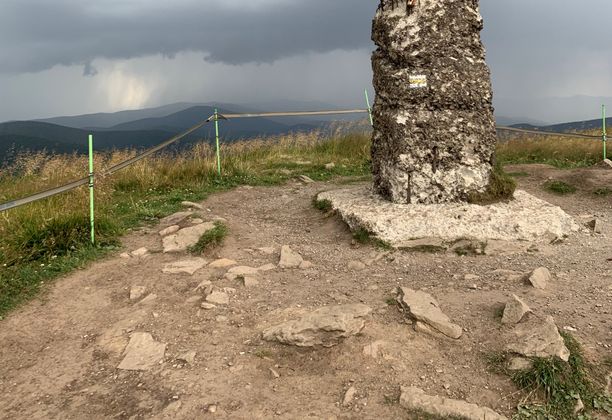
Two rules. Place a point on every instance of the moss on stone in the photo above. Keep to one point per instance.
(500, 189)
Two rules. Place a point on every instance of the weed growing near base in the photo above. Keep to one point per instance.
(560, 187)
(501, 188)
(322, 205)
(210, 239)
(365, 237)
(603, 192)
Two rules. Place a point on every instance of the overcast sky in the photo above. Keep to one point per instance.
(78, 56)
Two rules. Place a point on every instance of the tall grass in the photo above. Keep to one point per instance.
(47, 238)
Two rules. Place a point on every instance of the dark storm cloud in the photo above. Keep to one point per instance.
(38, 34)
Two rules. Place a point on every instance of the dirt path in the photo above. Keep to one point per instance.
(59, 354)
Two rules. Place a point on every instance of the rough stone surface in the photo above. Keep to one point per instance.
(188, 357)
(189, 266)
(415, 399)
(192, 205)
(176, 218)
(434, 132)
(356, 266)
(218, 298)
(607, 163)
(184, 238)
(538, 338)
(325, 327)
(249, 281)
(349, 396)
(169, 230)
(289, 258)
(423, 307)
(539, 278)
(241, 271)
(140, 252)
(142, 352)
(136, 292)
(222, 263)
(526, 218)
(514, 311)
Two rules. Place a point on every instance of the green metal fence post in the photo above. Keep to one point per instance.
(217, 141)
(91, 191)
(604, 131)
(367, 98)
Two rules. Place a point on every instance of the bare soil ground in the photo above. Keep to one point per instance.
(59, 354)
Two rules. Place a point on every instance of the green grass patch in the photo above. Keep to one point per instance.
(210, 239)
(366, 237)
(322, 205)
(560, 187)
(501, 188)
(603, 191)
(518, 174)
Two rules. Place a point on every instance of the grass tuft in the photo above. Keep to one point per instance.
(603, 192)
(501, 188)
(560, 187)
(366, 237)
(322, 205)
(210, 239)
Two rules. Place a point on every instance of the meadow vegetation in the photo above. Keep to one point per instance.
(45, 239)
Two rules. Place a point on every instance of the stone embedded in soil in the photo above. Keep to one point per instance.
(306, 179)
(185, 238)
(222, 263)
(596, 225)
(375, 349)
(267, 267)
(325, 327)
(415, 399)
(176, 218)
(349, 396)
(434, 132)
(125, 256)
(423, 307)
(356, 266)
(140, 252)
(192, 205)
(268, 250)
(189, 266)
(136, 292)
(607, 163)
(218, 298)
(188, 357)
(241, 271)
(149, 300)
(207, 306)
(526, 218)
(169, 230)
(306, 265)
(538, 338)
(539, 278)
(142, 352)
(289, 258)
(514, 311)
(249, 282)
(519, 363)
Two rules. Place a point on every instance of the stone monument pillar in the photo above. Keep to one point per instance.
(434, 131)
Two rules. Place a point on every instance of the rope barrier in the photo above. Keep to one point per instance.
(85, 181)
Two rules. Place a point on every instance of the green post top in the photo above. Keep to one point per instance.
(367, 98)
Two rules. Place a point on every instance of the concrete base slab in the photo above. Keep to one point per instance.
(526, 218)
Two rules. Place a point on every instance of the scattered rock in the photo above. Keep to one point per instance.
(330, 165)
(125, 256)
(596, 225)
(579, 407)
(176, 218)
(248, 281)
(188, 357)
(142, 352)
(203, 285)
(423, 307)
(305, 179)
(222, 263)
(274, 373)
(539, 278)
(471, 277)
(194, 299)
(267, 250)
(140, 252)
(538, 338)
(519, 363)
(197, 221)
(136, 292)
(192, 205)
(607, 163)
(356, 266)
(349, 396)
(218, 298)
(324, 327)
(148, 300)
(185, 238)
(415, 399)
(306, 265)
(289, 258)
(267, 267)
(509, 275)
(169, 230)
(514, 311)
(189, 266)
(207, 306)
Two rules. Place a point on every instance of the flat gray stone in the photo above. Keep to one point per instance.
(538, 338)
(415, 399)
(514, 311)
(325, 327)
(539, 278)
(185, 238)
(289, 258)
(423, 307)
(526, 218)
(189, 266)
(142, 352)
